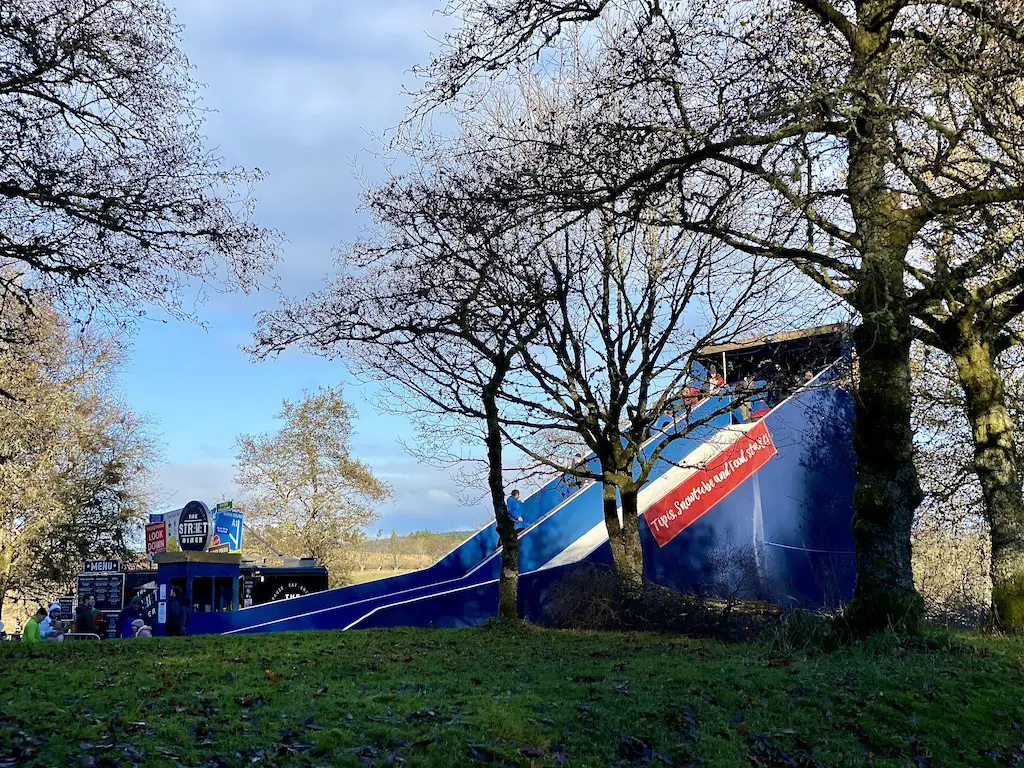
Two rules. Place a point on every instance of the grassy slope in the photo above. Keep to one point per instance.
(441, 698)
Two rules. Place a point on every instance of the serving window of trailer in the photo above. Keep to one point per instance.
(214, 594)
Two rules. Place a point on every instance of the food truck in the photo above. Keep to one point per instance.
(193, 552)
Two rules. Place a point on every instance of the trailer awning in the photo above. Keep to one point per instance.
(807, 348)
(784, 337)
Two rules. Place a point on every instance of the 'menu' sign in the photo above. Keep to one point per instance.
(710, 483)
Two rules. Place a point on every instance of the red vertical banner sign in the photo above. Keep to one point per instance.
(156, 537)
(709, 484)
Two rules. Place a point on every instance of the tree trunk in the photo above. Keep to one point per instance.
(624, 539)
(886, 490)
(995, 462)
(610, 500)
(508, 581)
(633, 552)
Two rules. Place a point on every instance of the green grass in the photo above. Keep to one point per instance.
(525, 697)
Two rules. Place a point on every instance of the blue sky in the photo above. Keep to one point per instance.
(299, 89)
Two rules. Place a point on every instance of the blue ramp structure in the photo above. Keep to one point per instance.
(780, 533)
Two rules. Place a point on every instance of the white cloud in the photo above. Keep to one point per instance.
(441, 497)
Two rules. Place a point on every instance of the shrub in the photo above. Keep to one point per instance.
(951, 573)
(588, 597)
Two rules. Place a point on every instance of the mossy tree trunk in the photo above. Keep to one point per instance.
(618, 488)
(610, 500)
(631, 571)
(995, 462)
(886, 490)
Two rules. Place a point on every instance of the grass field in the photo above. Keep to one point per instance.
(512, 697)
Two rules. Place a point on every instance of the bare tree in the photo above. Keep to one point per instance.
(628, 309)
(431, 313)
(109, 199)
(968, 457)
(851, 131)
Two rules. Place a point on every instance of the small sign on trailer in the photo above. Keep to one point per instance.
(102, 566)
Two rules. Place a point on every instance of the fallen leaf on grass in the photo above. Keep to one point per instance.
(272, 676)
(561, 758)
(685, 722)
(634, 749)
(428, 715)
(483, 753)
(131, 752)
(763, 753)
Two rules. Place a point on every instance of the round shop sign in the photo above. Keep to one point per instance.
(194, 526)
(289, 590)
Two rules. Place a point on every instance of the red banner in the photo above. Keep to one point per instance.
(708, 485)
(156, 537)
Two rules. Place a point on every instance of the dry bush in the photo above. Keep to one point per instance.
(585, 598)
(589, 597)
(951, 573)
(803, 631)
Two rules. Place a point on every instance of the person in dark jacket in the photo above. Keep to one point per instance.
(177, 620)
(85, 616)
(128, 614)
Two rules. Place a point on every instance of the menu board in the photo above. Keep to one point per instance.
(67, 607)
(107, 588)
(112, 631)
